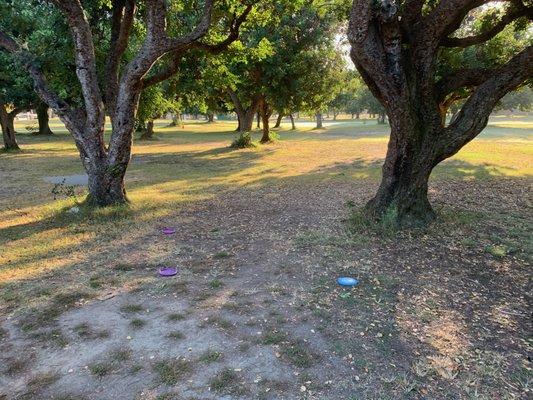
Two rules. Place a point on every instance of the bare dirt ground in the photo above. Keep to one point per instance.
(254, 311)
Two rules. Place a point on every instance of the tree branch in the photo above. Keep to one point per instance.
(474, 115)
(85, 60)
(490, 33)
(466, 77)
(122, 21)
(217, 48)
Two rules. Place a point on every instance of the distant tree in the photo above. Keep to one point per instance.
(521, 99)
(418, 58)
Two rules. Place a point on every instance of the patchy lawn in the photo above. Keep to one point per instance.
(254, 311)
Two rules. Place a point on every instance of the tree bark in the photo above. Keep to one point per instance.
(292, 122)
(106, 186)
(278, 120)
(265, 112)
(7, 121)
(43, 119)
(148, 131)
(319, 122)
(402, 195)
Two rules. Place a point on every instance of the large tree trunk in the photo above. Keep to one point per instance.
(319, 123)
(292, 122)
(148, 131)
(278, 120)
(265, 112)
(210, 117)
(7, 121)
(42, 117)
(106, 186)
(401, 199)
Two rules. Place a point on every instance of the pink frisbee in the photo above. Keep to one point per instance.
(168, 271)
(167, 230)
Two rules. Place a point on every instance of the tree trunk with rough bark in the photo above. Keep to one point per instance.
(43, 119)
(278, 120)
(7, 122)
(319, 121)
(395, 50)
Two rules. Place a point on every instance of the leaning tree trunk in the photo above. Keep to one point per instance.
(7, 121)
(148, 131)
(319, 123)
(278, 120)
(292, 122)
(42, 117)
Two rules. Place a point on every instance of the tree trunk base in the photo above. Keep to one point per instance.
(401, 212)
(106, 190)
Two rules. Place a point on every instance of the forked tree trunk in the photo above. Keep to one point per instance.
(244, 116)
(278, 120)
(292, 122)
(319, 122)
(43, 119)
(7, 121)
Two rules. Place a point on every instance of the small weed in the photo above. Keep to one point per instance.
(243, 141)
(210, 356)
(176, 335)
(101, 369)
(227, 381)
(221, 254)
(298, 354)
(175, 317)
(131, 308)
(170, 372)
(498, 251)
(43, 379)
(137, 323)
(120, 355)
(215, 284)
(274, 337)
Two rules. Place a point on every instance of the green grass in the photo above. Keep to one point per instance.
(171, 372)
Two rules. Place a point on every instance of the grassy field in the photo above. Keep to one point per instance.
(262, 234)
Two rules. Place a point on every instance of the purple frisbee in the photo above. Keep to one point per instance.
(168, 271)
(167, 230)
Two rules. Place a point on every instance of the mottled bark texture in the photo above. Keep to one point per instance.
(43, 119)
(395, 50)
(7, 122)
(106, 164)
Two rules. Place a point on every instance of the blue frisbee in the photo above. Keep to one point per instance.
(346, 281)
